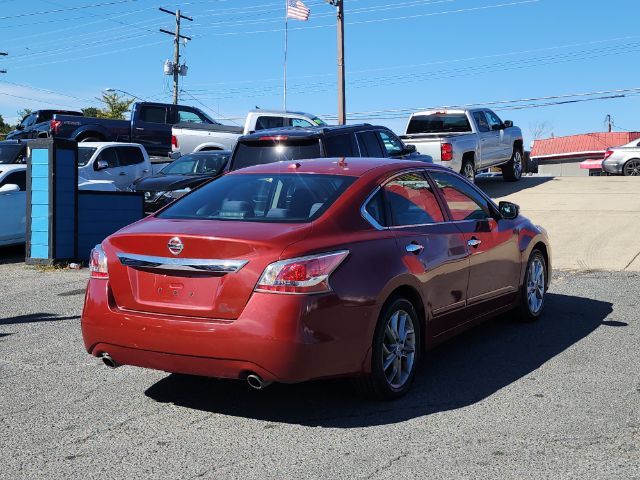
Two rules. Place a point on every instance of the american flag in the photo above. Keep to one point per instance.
(298, 10)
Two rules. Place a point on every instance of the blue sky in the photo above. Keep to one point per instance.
(403, 54)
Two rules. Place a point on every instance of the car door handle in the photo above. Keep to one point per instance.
(122, 174)
(140, 129)
(474, 242)
(414, 248)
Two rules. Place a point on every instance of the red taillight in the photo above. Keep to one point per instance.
(301, 275)
(55, 125)
(276, 138)
(446, 152)
(174, 141)
(98, 263)
(608, 153)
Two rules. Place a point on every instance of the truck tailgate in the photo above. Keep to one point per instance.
(425, 146)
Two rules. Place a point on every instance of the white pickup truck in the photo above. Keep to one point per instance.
(196, 137)
(467, 141)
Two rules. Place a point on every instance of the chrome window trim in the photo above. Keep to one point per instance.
(182, 264)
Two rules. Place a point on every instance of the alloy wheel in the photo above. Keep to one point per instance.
(517, 164)
(398, 349)
(535, 286)
(469, 172)
(632, 168)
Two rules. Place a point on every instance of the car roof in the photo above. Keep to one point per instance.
(107, 144)
(16, 141)
(207, 152)
(309, 132)
(6, 169)
(355, 166)
(282, 112)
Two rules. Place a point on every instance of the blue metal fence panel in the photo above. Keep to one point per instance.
(65, 217)
(40, 203)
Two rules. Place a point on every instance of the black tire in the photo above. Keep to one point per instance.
(376, 384)
(529, 311)
(512, 171)
(468, 170)
(631, 167)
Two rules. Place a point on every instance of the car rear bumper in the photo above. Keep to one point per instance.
(285, 338)
(612, 167)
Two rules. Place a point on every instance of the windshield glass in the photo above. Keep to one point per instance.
(319, 122)
(85, 154)
(287, 197)
(210, 163)
(439, 123)
(9, 153)
(269, 151)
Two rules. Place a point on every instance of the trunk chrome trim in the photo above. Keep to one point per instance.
(183, 264)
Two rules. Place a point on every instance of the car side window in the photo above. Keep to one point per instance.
(341, 146)
(412, 201)
(129, 156)
(494, 122)
(108, 155)
(151, 114)
(392, 144)
(464, 202)
(300, 122)
(265, 122)
(481, 121)
(369, 144)
(16, 178)
(190, 117)
(375, 208)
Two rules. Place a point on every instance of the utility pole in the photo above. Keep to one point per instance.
(609, 121)
(177, 68)
(342, 115)
(3, 54)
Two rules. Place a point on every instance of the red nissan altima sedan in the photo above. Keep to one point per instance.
(320, 268)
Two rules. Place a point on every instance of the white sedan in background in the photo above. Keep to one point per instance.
(117, 163)
(13, 203)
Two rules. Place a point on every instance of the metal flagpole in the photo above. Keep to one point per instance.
(286, 31)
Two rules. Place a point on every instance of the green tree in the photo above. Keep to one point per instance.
(91, 112)
(23, 113)
(115, 105)
(4, 127)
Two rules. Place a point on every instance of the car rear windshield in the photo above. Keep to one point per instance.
(272, 198)
(85, 154)
(249, 153)
(439, 123)
(8, 153)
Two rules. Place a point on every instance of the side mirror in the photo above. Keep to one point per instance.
(9, 188)
(19, 127)
(508, 210)
(508, 124)
(409, 149)
(101, 165)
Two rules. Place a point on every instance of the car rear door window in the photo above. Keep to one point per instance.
(376, 209)
(464, 202)
(369, 144)
(264, 122)
(153, 114)
(392, 144)
(129, 156)
(412, 201)
(341, 146)
(108, 155)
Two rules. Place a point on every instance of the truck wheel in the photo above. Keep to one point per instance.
(512, 171)
(468, 170)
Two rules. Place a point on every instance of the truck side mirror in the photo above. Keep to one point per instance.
(508, 124)
(9, 188)
(101, 165)
(19, 127)
(409, 149)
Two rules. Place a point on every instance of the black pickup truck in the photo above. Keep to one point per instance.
(150, 125)
(36, 123)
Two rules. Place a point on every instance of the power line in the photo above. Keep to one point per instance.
(67, 9)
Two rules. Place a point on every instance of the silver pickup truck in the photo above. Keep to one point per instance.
(196, 137)
(467, 141)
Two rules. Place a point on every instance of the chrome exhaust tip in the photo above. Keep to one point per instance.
(108, 361)
(256, 382)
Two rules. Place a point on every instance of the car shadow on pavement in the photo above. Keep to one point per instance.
(12, 254)
(496, 187)
(35, 318)
(459, 373)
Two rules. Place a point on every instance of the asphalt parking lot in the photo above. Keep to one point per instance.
(559, 398)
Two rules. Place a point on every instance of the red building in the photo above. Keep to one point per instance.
(562, 155)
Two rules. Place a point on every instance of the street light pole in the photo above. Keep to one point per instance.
(342, 115)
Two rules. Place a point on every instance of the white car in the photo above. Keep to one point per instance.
(119, 163)
(13, 203)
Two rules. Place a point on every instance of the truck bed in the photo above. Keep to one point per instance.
(209, 128)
